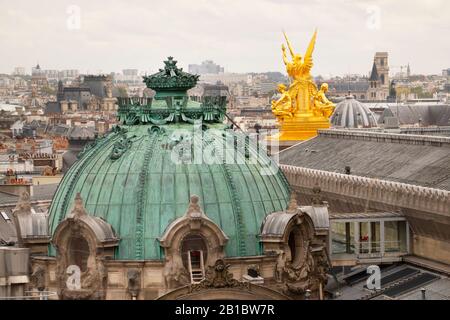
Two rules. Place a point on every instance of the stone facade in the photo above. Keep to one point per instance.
(102, 277)
(427, 210)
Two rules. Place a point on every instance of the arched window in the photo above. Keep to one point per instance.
(295, 242)
(78, 252)
(194, 253)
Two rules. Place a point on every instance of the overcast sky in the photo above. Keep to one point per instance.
(241, 35)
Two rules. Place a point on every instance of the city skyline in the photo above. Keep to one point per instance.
(241, 37)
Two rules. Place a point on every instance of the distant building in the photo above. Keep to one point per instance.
(206, 67)
(130, 72)
(379, 78)
(373, 88)
(19, 71)
(341, 88)
(97, 84)
(17, 128)
(225, 78)
(210, 90)
(95, 93)
(446, 72)
(52, 75)
(130, 76)
(38, 77)
(68, 74)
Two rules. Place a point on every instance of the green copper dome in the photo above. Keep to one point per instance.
(139, 178)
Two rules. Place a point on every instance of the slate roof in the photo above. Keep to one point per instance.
(374, 74)
(412, 159)
(41, 192)
(7, 227)
(82, 133)
(52, 107)
(352, 86)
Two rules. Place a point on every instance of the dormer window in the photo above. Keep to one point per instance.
(78, 253)
(194, 254)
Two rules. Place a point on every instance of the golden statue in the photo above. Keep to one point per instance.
(283, 106)
(302, 109)
(323, 106)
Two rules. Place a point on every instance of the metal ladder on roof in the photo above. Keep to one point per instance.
(196, 271)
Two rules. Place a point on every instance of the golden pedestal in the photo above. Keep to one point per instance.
(301, 127)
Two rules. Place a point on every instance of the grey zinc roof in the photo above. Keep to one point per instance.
(102, 229)
(412, 159)
(52, 107)
(319, 216)
(7, 230)
(427, 115)
(437, 290)
(350, 113)
(276, 222)
(82, 133)
(41, 192)
(352, 86)
(37, 226)
(34, 224)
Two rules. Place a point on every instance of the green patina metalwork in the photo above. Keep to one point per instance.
(171, 78)
(130, 178)
(171, 103)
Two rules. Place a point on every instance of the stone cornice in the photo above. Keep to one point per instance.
(388, 192)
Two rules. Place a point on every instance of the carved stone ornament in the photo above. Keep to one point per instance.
(23, 204)
(218, 276)
(174, 273)
(300, 273)
(194, 211)
(317, 197)
(38, 278)
(78, 209)
(134, 282)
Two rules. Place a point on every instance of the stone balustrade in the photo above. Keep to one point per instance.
(392, 193)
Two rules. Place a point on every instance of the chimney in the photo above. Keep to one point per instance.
(423, 290)
(347, 170)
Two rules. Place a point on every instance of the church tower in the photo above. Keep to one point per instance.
(379, 77)
(381, 61)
